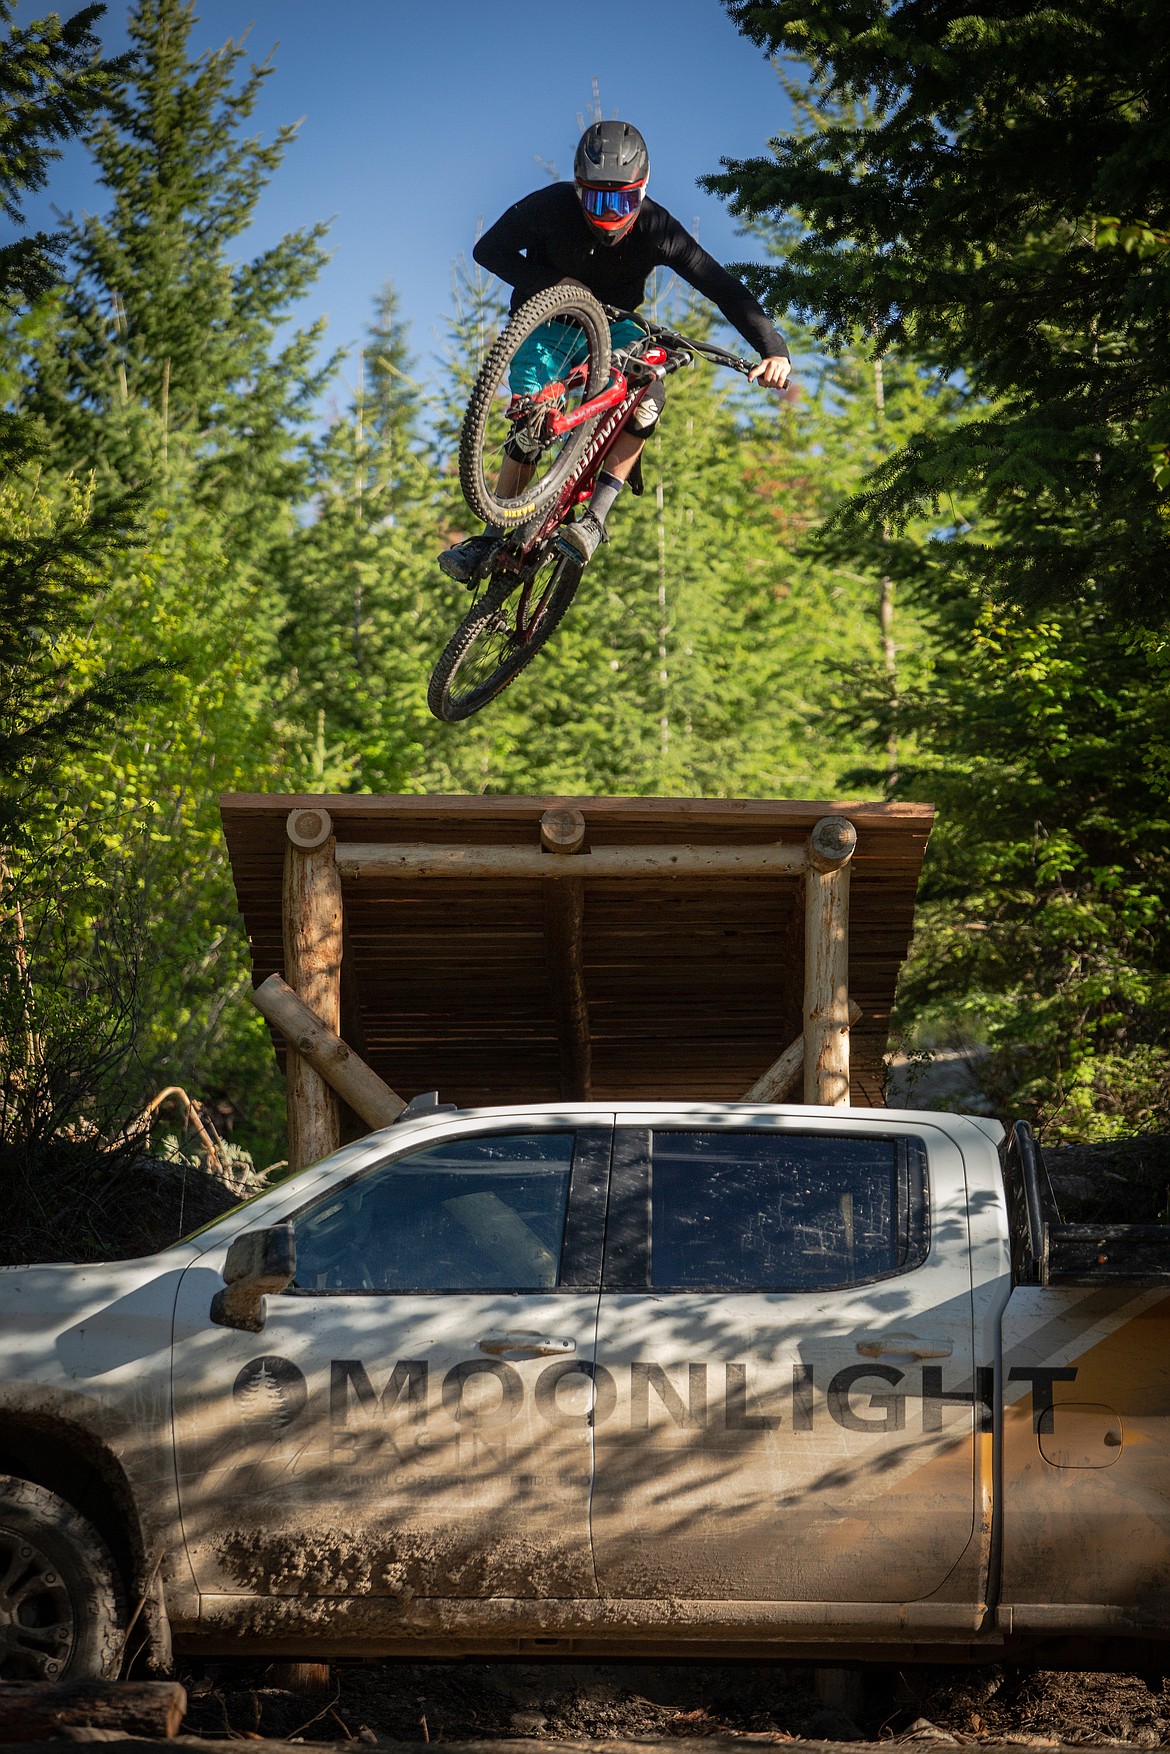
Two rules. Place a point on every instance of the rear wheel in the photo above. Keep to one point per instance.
(568, 330)
(60, 1603)
(500, 634)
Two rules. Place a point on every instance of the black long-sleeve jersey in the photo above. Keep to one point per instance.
(545, 238)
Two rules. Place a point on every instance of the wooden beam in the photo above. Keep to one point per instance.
(562, 832)
(324, 1051)
(785, 1071)
(826, 962)
(360, 859)
(312, 920)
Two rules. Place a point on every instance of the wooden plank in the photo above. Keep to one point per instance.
(565, 905)
(472, 807)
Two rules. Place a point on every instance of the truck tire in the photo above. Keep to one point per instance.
(61, 1606)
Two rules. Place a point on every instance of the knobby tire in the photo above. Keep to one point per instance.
(564, 303)
(443, 697)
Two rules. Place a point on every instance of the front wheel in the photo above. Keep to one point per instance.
(60, 1604)
(500, 634)
(556, 351)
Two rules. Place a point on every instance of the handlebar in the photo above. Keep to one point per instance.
(669, 338)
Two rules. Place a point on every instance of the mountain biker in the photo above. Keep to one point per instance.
(603, 233)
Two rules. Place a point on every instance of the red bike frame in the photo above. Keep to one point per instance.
(615, 404)
(617, 401)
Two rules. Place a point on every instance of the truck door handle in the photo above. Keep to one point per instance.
(535, 1345)
(908, 1345)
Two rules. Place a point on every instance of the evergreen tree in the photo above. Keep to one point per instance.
(162, 338)
(959, 218)
(165, 364)
(52, 80)
(61, 1037)
(1042, 944)
(955, 221)
(358, 579)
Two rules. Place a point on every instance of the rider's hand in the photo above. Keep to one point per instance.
(773, 372)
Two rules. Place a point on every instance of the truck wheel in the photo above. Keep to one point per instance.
(60, 1602)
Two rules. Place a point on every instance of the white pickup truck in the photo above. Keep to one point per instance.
(598, 1380)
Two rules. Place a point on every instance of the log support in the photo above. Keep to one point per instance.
(324, 1052)
(562, 833)
(312, 918)
(364, 859)
(826, 962)
(786, 1072)
(321, 1068)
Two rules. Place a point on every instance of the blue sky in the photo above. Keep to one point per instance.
(424, 119)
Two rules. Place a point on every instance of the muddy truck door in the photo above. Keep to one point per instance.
(787, 1317)
(1086, 1425)
(412, 1420)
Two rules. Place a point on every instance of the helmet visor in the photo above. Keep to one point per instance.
(608, 205)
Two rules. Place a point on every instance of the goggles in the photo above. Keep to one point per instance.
(609, 205)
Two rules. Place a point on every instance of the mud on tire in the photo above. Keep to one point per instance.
(61, 1605)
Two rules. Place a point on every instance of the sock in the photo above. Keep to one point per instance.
(607, 489)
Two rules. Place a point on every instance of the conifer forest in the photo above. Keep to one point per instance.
(937, 571)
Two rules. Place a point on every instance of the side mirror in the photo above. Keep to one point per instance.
(259, 1262)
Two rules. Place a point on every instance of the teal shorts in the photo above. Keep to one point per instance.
(554, 349)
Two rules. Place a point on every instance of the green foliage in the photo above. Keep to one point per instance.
(356, 581)
(53, 550)
(167, 364)
(948, 200)
(937, 196)
(52, 80)
(1042, 936)
(161, 338)
(68, 994)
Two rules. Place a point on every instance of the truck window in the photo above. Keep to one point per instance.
(479, 1214)
(736, 1210)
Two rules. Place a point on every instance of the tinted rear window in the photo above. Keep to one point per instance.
(770, 1211)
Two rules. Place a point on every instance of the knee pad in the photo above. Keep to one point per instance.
(649, 410)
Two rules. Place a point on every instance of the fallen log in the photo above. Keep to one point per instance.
(32, 1712)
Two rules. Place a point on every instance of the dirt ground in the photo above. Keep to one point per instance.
(436, 1702)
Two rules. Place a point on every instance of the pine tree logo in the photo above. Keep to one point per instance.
(269, 1393)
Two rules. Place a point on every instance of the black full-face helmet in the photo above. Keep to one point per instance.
(612, 168)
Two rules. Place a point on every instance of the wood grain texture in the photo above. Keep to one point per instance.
(826, 986)
(564, 918)
(693, 984)
(37, 1711)
(323, 1049)
(366, 859)
(311, 920)
(786, 1071)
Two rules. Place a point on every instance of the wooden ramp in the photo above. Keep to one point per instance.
(662, 957)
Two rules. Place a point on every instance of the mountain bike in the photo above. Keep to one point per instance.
(561, 433)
